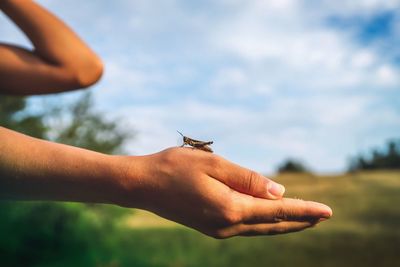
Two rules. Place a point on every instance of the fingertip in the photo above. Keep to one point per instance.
(275, 190)
(328, 212)
(325, 211)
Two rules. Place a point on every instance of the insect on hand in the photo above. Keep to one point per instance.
(196, 144)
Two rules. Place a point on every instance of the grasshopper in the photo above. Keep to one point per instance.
(196, 144)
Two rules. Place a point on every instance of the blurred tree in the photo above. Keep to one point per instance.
(14, 115)
(292, 165)
(59, 234)
(386, 158)
(80, 125)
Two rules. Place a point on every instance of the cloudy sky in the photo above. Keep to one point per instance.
(266, 80)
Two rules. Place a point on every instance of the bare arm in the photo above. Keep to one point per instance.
(60, 61)
(192, 187)
(34, 169)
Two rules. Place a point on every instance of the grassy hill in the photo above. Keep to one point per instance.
(364, 231)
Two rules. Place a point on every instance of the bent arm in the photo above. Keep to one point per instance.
(60, 61)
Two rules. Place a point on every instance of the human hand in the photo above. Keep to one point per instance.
(214, 196)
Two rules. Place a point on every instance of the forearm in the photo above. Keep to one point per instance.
(54, 41)
(33, 169)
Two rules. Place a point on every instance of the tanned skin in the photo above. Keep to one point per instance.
(60, 61)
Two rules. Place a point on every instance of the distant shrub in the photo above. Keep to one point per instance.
(292, 165)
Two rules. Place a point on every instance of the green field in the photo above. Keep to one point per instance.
(364, 231)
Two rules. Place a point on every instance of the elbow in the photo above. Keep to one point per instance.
(90, 74)
(85, 75)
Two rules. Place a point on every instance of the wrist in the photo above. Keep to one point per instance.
(128, 180)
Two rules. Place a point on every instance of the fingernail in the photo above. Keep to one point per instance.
(276, 189)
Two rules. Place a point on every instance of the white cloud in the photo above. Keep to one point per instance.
(121, 79)
(363, 59)
(319, 57)
(367, 7)
(387, 75)
(289, 127)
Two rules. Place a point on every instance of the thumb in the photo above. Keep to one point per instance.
(246, 181)
(257, 185)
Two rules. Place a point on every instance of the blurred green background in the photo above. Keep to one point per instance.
(364, 230)
(265, 80)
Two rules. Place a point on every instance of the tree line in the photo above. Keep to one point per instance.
(386, 157)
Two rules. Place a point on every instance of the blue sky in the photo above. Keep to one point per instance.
(266, 80)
